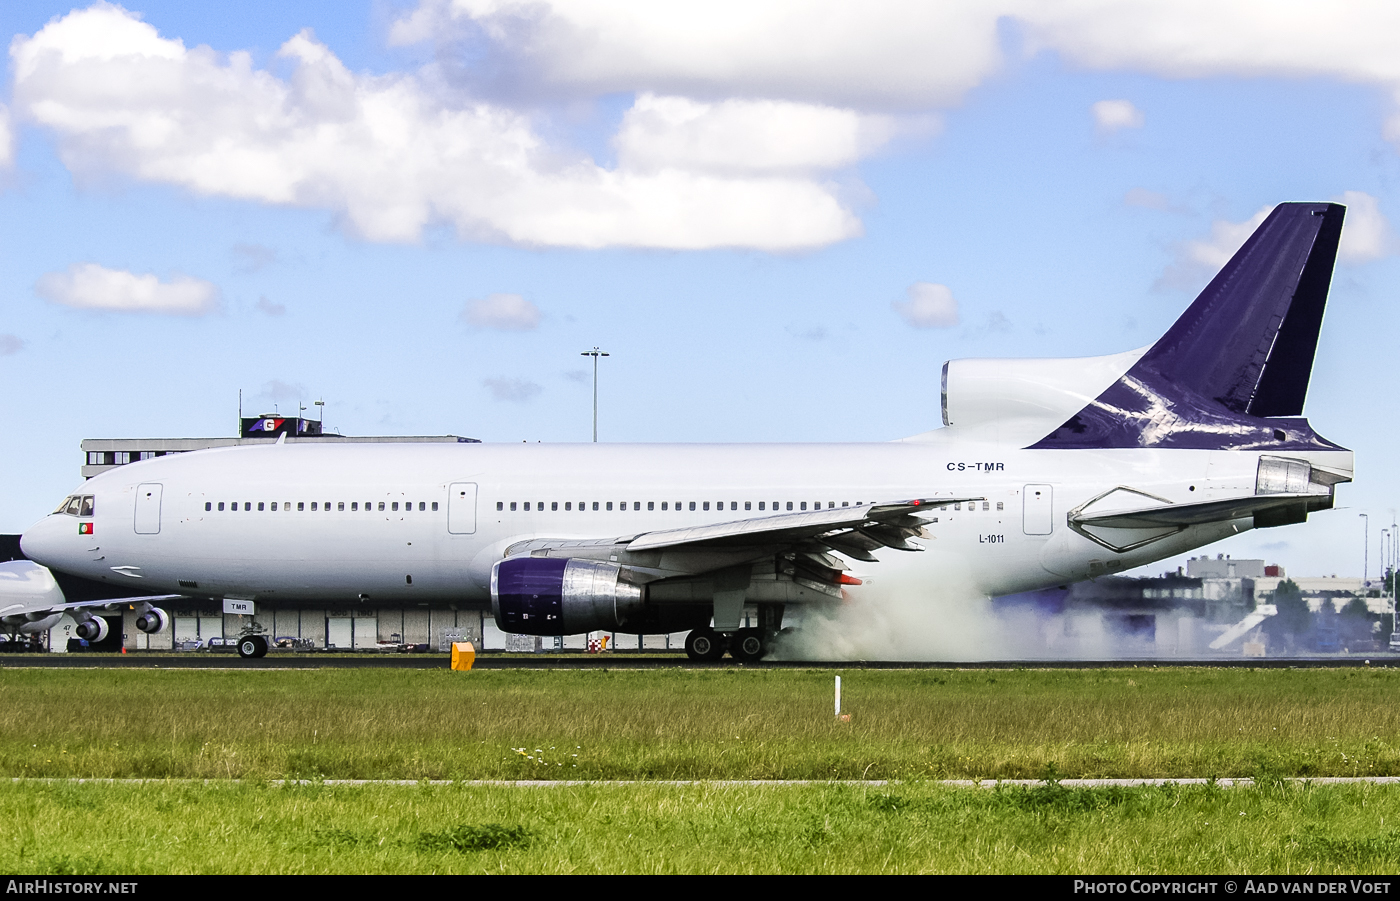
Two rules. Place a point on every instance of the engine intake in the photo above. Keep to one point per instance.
(94, 629)
(560, 596)
(153, 620)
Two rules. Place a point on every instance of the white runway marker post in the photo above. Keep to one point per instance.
(838, 695)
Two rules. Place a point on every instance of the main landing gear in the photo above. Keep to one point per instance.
(746, 645)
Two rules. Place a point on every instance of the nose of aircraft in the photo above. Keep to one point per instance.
(44, 542)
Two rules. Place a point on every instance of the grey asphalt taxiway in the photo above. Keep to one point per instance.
(615, 660)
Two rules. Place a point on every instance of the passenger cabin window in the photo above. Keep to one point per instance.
(434, 506)
(692, 506)
(221, 506)
(395, 506)
(301, 505)
(208, 505)
(260, 506)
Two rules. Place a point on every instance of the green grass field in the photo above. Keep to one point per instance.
(914, 827)
(698, 724)
(914, 726)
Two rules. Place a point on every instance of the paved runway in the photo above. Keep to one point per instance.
(616, 660)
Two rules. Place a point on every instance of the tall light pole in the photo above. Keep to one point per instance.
(595, 353)
(1365, 552)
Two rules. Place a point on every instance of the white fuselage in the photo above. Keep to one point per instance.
(335, 533)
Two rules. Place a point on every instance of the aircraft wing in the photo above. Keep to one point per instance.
(868, 525)
(16, 608)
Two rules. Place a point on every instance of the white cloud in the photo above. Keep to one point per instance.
(516, 391)
(928, 305)
(1225, 238)
(90, 286)
(1366, 234)
(10, 344)
(7, 138)
(746, 119)
(508, 312)
(385, 153)
(891, 55)
(735, 136)
(1111, 115)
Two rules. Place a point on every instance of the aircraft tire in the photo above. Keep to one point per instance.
(748, 646)
(251, 646)
(704, 646)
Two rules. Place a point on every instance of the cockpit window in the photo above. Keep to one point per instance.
(76, 505)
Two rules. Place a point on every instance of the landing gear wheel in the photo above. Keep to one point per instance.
(748, 646)
(252, 646)
(704, 646)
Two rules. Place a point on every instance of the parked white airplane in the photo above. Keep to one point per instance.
(1046, 471)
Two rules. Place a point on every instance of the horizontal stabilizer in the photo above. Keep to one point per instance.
(1193, 514)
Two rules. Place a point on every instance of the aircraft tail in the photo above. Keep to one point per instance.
(1242, 353)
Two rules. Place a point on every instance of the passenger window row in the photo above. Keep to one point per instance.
(286, 506)
(972, 505)
(528, 506)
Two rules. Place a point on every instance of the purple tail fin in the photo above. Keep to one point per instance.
(1241, 352)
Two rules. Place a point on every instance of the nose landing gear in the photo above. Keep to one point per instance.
(250, 646)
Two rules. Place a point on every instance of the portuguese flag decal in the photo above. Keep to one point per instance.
(84, 528)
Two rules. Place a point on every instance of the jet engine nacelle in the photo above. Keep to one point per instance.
(93, 630)
(560, 596)
(153, 620)
(983, 391)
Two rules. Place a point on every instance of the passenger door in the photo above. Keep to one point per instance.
(461, 508)
(1037, 510)
(148, 508)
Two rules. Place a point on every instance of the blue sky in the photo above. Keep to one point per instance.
(423, 212)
